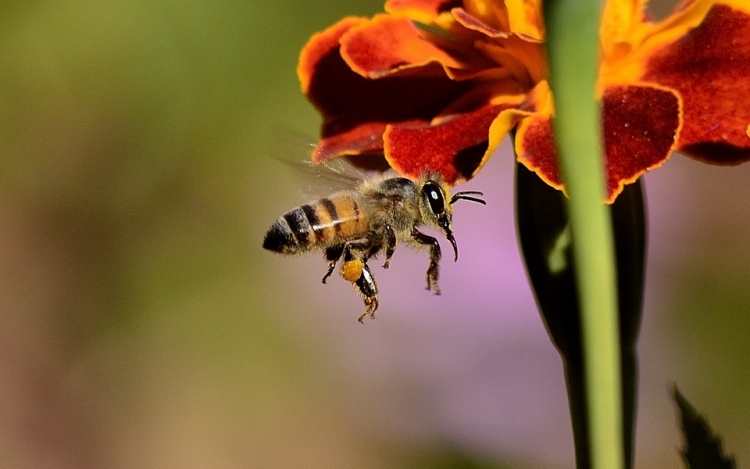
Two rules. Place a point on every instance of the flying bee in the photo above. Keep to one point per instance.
(376, 215)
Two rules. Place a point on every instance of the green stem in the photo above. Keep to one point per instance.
(572, 38)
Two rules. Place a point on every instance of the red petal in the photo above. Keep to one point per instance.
(535, 148)
(640, 125)
(364, 138)
(710, 68)
(355, 109)
(454, 147)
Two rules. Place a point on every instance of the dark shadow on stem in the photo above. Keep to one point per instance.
(545, 240)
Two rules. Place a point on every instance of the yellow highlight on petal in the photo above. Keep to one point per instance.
(525, 18)
(352, 270)
(747, 130)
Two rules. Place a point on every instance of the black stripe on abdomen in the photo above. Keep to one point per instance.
(280, 238)
(314, 221)
(331, 209)
(299, 225)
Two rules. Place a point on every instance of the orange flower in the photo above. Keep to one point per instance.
(439, 83)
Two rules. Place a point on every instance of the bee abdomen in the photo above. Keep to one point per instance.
(302, 228)
(279, 238)
(290, 234)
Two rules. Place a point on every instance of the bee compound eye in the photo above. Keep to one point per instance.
(434, 197)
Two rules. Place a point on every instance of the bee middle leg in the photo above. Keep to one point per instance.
(389, 244)
(333, 254)
(432, 270)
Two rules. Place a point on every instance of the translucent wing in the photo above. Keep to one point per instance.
(314, 180)
(322, 179)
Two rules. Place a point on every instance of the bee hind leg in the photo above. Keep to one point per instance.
(333, 254)
(432, 270)
(358, 272)
(368, 290)
(355, 269)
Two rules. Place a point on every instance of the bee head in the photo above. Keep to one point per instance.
(436, 208)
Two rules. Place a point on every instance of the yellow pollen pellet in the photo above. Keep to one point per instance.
(352, 270)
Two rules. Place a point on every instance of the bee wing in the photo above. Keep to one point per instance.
(321, 179)
(314, 180)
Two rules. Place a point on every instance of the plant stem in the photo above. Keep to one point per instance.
(572, 38)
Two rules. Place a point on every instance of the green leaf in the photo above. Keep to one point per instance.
(702, 448)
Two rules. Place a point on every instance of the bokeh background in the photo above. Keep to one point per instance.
(142, 325)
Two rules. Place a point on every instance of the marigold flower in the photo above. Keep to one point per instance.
(439, 83)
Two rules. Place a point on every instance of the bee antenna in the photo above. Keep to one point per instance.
(465, 195)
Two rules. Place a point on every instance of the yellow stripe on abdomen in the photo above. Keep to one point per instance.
(349, 221)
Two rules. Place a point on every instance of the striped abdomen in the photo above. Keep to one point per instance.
(317, 224)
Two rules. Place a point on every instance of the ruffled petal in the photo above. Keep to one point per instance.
(525, 18)
(488, 18)
(356, 110)
(421, 10)
(366, 137)
(640, 125)
(619, 20)
(501, 19)
(388, 44)
(319, 47)
(534, 143)
(454, 147)
(437, 84)
(710, 69)
(535, 149)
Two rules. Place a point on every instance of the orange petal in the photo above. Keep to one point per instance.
(619, 20)
(525, 18)
(387, 44)
(522, 18)
(319, 46)
(420, 10)
(493, 23)
(628, 38)
(710, 69)
(454, 147)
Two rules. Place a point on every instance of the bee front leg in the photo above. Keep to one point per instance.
(432, 270)
(389, 245)
(333, 254)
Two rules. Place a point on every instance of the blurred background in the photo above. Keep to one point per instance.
(142, 325)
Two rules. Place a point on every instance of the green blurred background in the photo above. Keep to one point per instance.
(141, 324)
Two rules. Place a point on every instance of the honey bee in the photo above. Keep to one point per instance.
(373, 217)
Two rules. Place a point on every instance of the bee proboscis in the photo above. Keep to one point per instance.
(375, 216)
